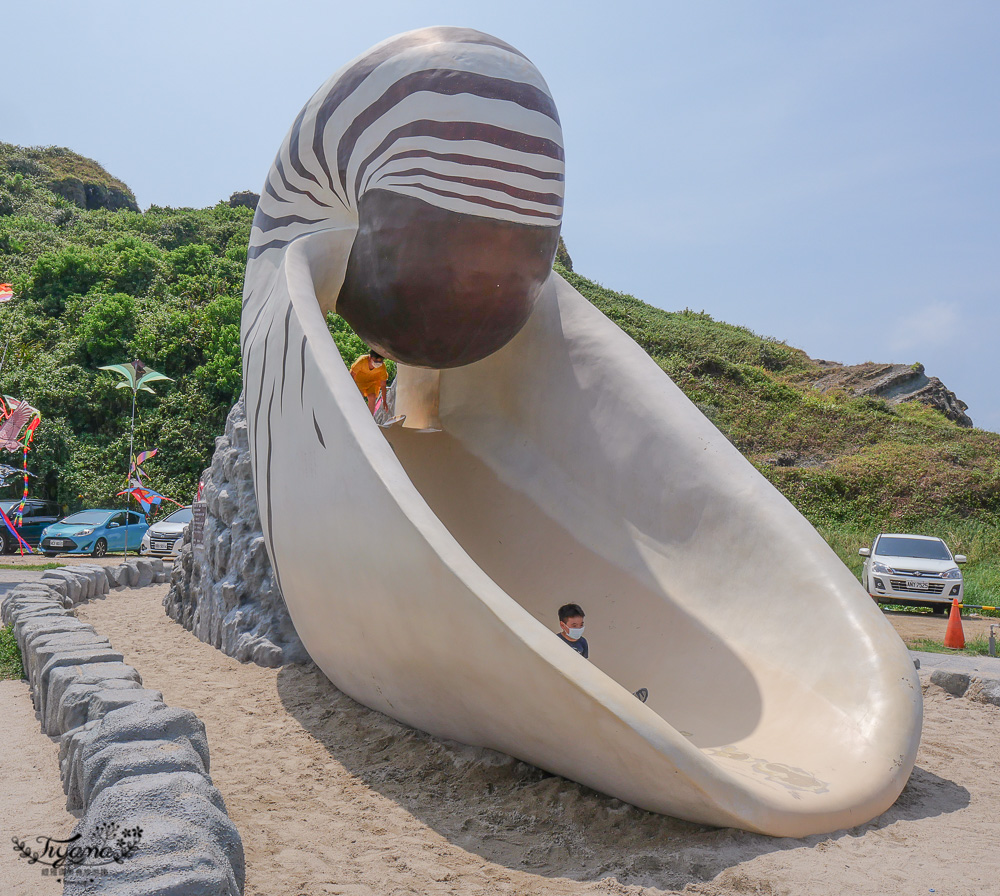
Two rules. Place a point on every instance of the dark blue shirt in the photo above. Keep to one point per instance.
(579, 645)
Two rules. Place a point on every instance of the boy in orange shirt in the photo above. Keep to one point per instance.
(371, 376)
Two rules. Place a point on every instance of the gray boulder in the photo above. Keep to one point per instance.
(30, 593)
(56, 718)
(145, 573)
(97, 579)
(27, 603)
(117, 575)
(955, 683)
(47, 647)
(110, 696)
(74, 656)
(151, 722)
(35, 630)
(16, 605)
(29, 626)
(986, 690)
(118, 762)
(32, 612)
(133, 723)
(69, 631)
(78, 703)
(71, 746)
(62, 580)
(187, 846)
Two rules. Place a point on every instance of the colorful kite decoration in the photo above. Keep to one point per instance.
(17, 429)
(6, 292)
(18, 422)
(7, 472)
(147, 498)
(135, 376)
(136, 468)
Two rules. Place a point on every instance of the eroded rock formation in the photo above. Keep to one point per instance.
(224, 589)
(896, 383)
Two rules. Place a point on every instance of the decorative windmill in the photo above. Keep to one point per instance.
(136, 376)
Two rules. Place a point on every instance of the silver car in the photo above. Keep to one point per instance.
(912, 569)
(163, 538)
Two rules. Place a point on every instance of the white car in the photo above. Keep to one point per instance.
(163, 538)
(912, 569)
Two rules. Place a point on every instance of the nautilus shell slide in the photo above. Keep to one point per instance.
(544, 459)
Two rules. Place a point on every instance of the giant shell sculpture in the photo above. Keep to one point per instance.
(544, 459)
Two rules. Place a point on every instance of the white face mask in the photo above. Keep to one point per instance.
(575, 633)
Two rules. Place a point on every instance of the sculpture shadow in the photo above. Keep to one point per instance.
(525, 819)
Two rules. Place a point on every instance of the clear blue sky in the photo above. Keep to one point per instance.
(828, 174)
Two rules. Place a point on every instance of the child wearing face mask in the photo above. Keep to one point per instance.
(571, 631)
(571, 628)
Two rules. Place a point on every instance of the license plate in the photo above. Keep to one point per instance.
(56, 542)
(161, 546)
(916, 585)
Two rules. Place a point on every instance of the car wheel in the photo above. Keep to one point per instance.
(5, 543)
(100, 549)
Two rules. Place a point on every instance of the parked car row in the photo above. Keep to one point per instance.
(95, 532)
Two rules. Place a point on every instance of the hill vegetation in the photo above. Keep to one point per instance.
(99, 286)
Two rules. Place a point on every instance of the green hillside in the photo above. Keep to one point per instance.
(102, 285)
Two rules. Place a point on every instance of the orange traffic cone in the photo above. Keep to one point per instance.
(954, 637)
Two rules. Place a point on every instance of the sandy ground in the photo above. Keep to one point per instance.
(32, 803)
(332, 798)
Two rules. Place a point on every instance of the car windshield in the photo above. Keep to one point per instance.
(8, 506)
(179, 516)
(898, 546)
(85, 518)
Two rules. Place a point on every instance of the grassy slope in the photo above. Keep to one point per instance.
(858, 465)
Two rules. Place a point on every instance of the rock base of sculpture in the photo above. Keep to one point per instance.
(224, 590)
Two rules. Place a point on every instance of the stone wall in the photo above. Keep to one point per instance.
(224, 590)
(129, 763)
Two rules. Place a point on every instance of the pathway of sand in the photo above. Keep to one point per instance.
(33, 804)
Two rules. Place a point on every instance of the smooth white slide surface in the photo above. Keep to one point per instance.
(423, 564)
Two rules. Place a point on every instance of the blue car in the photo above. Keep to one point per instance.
(94, 532)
